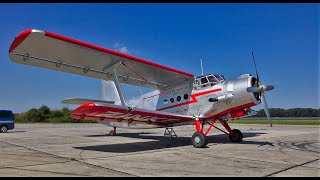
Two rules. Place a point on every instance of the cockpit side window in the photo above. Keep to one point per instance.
(204, 80)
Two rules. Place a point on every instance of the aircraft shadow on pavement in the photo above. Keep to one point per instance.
(134, 135)
(162, 142)
(16, 131)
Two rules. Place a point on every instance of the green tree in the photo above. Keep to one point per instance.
(56, 114)
(66, 111)
(33, 115)
(44, 111)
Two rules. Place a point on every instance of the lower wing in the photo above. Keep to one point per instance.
(115, 113)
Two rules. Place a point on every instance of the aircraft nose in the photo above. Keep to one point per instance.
(258, 89)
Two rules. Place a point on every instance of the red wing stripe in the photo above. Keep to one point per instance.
(193, 99)
(98, 48)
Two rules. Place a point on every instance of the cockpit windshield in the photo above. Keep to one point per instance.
(213, 79)
(219, 77)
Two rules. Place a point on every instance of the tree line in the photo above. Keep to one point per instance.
(293, 112)
(44, 114)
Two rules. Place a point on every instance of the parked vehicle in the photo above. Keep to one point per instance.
(6, 121)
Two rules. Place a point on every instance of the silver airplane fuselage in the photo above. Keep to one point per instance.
(228, 99)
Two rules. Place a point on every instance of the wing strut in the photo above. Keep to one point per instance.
(156, 88)
(116, 81)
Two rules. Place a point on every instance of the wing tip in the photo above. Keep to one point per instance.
(21, 37)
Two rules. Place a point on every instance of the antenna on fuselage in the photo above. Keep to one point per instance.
(201, 66)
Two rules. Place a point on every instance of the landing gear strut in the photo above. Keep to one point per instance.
(113, 132)
(199, 139)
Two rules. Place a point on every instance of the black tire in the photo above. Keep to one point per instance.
(199, 140)
(239, 136)
(112, 133)
(3, 129)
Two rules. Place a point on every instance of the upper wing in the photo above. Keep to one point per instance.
(52, 51)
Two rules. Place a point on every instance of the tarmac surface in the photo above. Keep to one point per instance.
(85, 150)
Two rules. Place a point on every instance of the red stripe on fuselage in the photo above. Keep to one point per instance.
(223, 113)
(193, 99)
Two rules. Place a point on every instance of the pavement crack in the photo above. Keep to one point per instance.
(71, 174)
(4, 167)
(291, 167)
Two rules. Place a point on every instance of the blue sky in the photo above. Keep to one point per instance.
(284, 37)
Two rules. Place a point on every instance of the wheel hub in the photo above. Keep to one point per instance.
(197, 140)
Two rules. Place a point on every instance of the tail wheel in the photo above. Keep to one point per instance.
(3, 129)
(238, 137)
(112, 133)
(199, 140)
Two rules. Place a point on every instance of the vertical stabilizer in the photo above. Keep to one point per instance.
(108, 92)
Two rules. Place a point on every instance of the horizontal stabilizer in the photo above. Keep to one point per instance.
(79, 101)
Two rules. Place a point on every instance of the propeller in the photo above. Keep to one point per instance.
(266, 109)
(259, 89)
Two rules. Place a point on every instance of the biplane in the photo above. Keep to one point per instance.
(177, 97)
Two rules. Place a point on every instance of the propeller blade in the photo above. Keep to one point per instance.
(266, 109)
(254, 62)
(253, 89)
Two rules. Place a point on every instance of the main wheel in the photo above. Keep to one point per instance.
(3, 129)
(238, 137)
(199, 140)
(112, 133)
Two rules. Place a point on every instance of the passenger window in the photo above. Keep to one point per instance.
(179, 98)
(186, 96)
(172, 100)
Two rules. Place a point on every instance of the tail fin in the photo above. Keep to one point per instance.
(108, 92)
